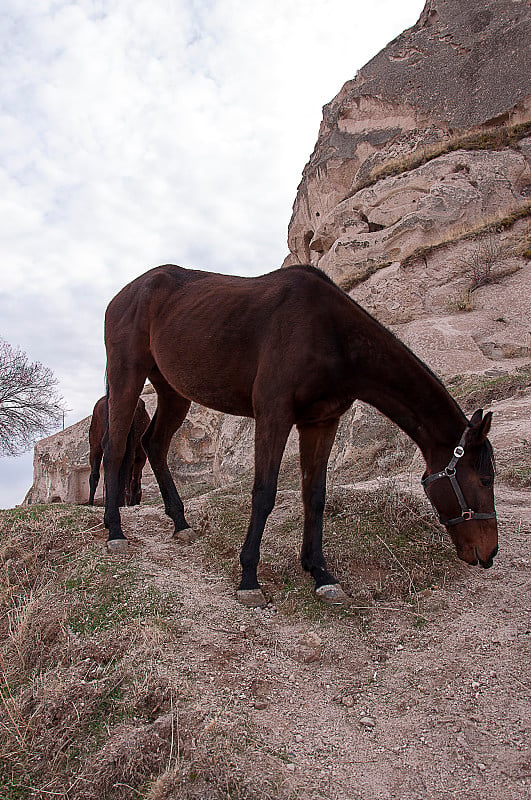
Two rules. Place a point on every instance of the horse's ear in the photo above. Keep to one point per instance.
(479, 428)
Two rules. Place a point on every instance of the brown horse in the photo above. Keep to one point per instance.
(135, 458)
(288, 348)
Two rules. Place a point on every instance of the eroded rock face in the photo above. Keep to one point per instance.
(416, 199)
(423, 208)
(197, 454)
(60, 466)
(443, 79)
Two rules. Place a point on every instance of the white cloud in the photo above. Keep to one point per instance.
(134, 133)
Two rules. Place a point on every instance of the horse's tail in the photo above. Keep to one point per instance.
(106, 427)
(126, 468)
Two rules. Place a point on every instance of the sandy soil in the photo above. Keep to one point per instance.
(426, 703)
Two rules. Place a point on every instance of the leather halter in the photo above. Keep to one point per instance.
(450, 473)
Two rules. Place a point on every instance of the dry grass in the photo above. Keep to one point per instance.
(97, 698)
(513, 465)
(103, 692)
(477, 391)
(383, 545)
(461, 302)
(361, 272)
(219, 766)
(65, 662)
(458, 233)
(494, 139)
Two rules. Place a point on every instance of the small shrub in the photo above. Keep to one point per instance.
(480, 262)
(461, 302)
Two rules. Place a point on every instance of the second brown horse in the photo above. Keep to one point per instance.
(134, 458)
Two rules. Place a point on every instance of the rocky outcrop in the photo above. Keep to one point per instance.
(421, 209)
(417, 197)
(455, 77)
(208, 450)
(61, 467)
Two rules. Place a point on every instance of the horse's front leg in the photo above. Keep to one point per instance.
(315, 444)
(270, 440)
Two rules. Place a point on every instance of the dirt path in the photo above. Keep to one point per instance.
(383, 704)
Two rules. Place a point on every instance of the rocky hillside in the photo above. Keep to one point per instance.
(416, 200)
(139, 675)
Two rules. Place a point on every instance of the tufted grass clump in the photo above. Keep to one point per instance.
(382, 544)
(476, 391)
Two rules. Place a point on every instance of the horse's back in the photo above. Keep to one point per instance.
(214, 336)
(171, 281)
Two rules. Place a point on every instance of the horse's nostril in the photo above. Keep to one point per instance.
(487, 564)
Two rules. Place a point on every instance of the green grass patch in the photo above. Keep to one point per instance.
(109, 594)
(476, 391)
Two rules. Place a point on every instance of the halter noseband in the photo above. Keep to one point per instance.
(449, 472)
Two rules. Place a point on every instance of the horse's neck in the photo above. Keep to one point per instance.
(400, 386)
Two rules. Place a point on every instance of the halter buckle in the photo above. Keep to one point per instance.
(467, 514)
(459, 451)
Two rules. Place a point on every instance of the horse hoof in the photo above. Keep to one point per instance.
(333, 594)
(186, 536)
(252, 598)
(117, 545)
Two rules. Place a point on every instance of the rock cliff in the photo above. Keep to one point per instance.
(458, 79)
(416, 199)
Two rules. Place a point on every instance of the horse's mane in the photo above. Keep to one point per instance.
(429, 372)
(316, 271)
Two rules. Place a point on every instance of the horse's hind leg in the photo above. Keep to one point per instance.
(315, 444)
(134, 484)
(96, 431)
(171, 411)
(122, 403)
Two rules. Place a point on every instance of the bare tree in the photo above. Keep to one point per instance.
(29, 404)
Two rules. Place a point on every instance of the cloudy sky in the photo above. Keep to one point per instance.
(140, 132)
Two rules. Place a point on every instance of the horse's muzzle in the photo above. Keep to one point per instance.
(490, 560)
(473, 558)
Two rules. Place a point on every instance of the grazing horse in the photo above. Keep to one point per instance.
(135, 456)
(287, 348)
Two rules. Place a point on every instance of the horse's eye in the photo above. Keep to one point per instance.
(487, 481)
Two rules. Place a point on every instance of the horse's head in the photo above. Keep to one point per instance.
(462, 494)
